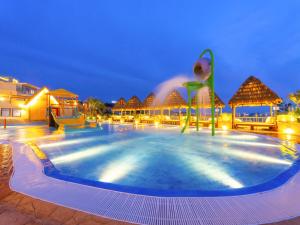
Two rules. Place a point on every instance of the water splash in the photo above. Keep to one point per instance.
(168, 86)
(203, 100)
(203, 97)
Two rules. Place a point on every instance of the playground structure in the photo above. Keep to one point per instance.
(204, 73)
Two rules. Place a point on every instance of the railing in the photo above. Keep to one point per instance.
(253, 119)
(76, 116)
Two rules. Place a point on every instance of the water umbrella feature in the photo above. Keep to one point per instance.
(204, 74)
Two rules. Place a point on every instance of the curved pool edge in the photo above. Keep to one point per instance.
(265, 207)
(282, 178)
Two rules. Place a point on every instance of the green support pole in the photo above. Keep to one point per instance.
(187, 120)
(211, 85)
(197, 112)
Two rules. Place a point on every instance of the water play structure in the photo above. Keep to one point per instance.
(204, 74)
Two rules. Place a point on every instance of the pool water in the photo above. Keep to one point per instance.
(151, 160)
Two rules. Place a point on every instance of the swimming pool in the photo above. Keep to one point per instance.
(163, 162)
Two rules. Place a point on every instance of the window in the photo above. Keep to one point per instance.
(16, 112)
(5, 112)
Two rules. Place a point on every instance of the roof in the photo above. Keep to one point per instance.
(120, 104)
(150, 101)
(133, 103)
(206, 102)
(62, 93)
(9, 79)
(253, 92)
(30, 85)
(38, 94)
(174, 99)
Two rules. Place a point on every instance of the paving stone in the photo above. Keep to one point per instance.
(61, 214)
(80, 216)
(101, 220)
(43, 209)
(2, 208)
(34, 223)
(13, 199)
(90, 222)
(13, 218)
(5, 191)
(25, 205)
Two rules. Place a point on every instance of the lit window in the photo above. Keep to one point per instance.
(16, 112)
(5, 112)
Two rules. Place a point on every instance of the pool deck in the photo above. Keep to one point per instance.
(20, 209)
(17, 208)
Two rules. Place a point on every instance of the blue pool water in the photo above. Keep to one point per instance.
(164, 162)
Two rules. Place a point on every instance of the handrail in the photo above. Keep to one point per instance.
(253, 118)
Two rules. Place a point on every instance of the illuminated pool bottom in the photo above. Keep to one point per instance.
(163, 162)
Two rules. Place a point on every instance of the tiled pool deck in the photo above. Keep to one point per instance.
(16, 208)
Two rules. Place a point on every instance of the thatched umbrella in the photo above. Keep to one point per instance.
(150, 102)
(253, 92)
(120, 105)
(133, 104)
(174, 101)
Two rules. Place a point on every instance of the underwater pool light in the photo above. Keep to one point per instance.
(89, 152)
(212, 170)
(68, 142)
(249, 143)
(118, 169)
(251, 156)
(241, 137)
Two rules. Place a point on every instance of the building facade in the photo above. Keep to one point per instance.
(13, 95)
(26, 102)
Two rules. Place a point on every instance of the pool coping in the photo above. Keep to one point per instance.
(265, 207)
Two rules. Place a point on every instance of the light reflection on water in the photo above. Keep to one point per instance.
(161, 158)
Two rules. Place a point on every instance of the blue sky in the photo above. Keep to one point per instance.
(109, 49)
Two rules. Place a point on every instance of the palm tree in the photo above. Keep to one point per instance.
(295, 97)
(95, 106)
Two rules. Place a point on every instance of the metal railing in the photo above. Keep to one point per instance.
(253, 119)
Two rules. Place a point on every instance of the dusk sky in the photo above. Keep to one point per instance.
(109, 49)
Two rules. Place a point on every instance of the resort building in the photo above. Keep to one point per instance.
(26, 102)
(13, 95)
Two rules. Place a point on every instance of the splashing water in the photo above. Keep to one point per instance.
(203, 100)
(203, 96)
(168, 86)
